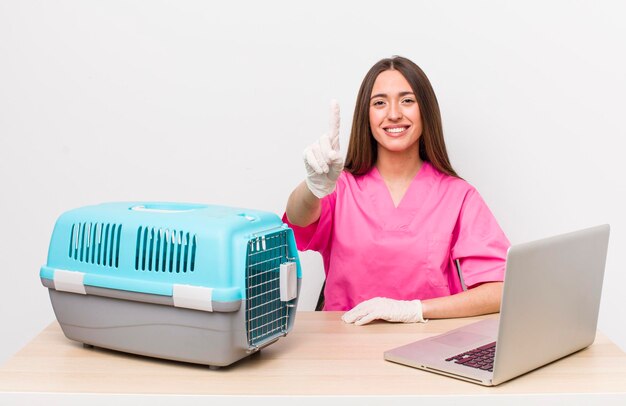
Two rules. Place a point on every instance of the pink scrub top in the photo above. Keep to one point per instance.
(371, 248)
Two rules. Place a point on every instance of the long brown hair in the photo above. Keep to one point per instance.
(362, 148)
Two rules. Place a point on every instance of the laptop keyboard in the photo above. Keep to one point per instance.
(480, 358)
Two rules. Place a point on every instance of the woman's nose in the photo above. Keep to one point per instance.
(394, 111)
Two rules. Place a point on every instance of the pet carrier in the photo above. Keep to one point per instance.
(188, 282)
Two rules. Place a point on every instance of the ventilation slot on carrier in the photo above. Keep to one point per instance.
(96, 243)
(266, 314)
(165, 250)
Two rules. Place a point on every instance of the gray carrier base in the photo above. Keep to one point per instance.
(150, 325)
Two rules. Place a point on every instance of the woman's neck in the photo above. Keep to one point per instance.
(398, 167)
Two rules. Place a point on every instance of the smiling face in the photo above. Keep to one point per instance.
(394, 114)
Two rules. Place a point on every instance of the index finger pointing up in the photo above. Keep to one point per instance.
(334, 124)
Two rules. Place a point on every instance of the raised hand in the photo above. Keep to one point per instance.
(323, 160)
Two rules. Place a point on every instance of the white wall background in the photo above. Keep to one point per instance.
(214, 101)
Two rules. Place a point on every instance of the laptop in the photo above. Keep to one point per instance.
(549, 310)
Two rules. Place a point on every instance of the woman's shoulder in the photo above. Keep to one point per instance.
(349, 183)
(346, 178)
(448, 181)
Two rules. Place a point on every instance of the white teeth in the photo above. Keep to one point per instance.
(395, 130)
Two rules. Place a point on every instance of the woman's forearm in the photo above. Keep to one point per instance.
(303, 207)
(482, 299)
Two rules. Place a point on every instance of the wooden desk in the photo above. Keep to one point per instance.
(321, 356)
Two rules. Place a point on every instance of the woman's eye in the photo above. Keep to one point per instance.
(408, 101)
(378, 103)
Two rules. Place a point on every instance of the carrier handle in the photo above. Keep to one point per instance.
(167, 207)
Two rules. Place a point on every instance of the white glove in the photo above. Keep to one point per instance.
(322, 159)
(405, 311)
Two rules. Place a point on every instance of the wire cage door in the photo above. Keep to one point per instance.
(267, 316)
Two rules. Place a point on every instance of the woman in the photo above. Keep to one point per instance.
(396, 221)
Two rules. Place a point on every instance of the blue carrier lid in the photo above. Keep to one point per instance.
(150, 247)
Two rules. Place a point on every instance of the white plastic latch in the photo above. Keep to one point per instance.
(288, 281)
(69, 281)
(193, 297)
